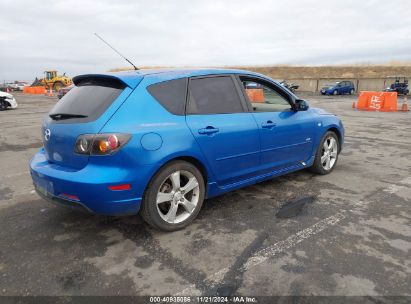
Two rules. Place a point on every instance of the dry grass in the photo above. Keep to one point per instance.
(394, 68)
(290, 72)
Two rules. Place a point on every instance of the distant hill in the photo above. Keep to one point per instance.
(298, 72)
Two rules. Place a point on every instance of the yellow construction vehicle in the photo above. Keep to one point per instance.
(52, 80)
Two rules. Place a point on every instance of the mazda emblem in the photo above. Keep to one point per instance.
(47, 134)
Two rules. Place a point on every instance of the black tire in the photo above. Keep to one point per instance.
(317, 166)
(3, 105)
(149, 210)
(352, 92)
(57, 86)
(335, 92)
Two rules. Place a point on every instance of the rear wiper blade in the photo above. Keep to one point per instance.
(60, 116)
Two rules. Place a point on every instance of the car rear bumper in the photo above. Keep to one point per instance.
(55, 200)
(85, 189)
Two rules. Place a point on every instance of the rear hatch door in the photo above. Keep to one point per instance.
(85, 109)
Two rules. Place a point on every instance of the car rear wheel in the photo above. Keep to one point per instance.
(352, 92)
(174, 197)
(327, 154)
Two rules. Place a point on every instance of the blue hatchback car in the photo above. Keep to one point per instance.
(338, 88)
(159, 142)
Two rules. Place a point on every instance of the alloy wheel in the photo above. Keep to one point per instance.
(329, 153)
(178, 196)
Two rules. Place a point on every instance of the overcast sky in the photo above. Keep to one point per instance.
(54, 34)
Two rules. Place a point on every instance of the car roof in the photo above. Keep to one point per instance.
(183, 72)
(133, 77)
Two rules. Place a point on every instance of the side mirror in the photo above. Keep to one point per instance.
(301, 105)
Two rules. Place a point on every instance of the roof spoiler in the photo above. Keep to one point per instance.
(131, 82)
(80, 78)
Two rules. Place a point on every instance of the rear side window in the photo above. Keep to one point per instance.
(213, 95)
(87, 100)
(171, 94)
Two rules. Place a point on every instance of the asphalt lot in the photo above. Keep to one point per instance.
(353, 239)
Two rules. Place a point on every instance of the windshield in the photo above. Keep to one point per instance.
(88, 100)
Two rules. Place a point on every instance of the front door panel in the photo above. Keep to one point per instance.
(288, 142)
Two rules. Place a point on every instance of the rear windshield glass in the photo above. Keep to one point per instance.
(87, 100)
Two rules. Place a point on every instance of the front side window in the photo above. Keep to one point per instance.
(213, 95)
(263, 97)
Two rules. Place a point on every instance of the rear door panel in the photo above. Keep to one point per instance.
(233, 151)
(227, 135)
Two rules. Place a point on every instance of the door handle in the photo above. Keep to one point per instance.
(208, 130)
(268, 125)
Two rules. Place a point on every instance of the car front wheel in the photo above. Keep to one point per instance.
(174, 197)
(327, 154)
(3, 105)
(335, 92)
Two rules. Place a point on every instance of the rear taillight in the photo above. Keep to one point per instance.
(100, 144)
